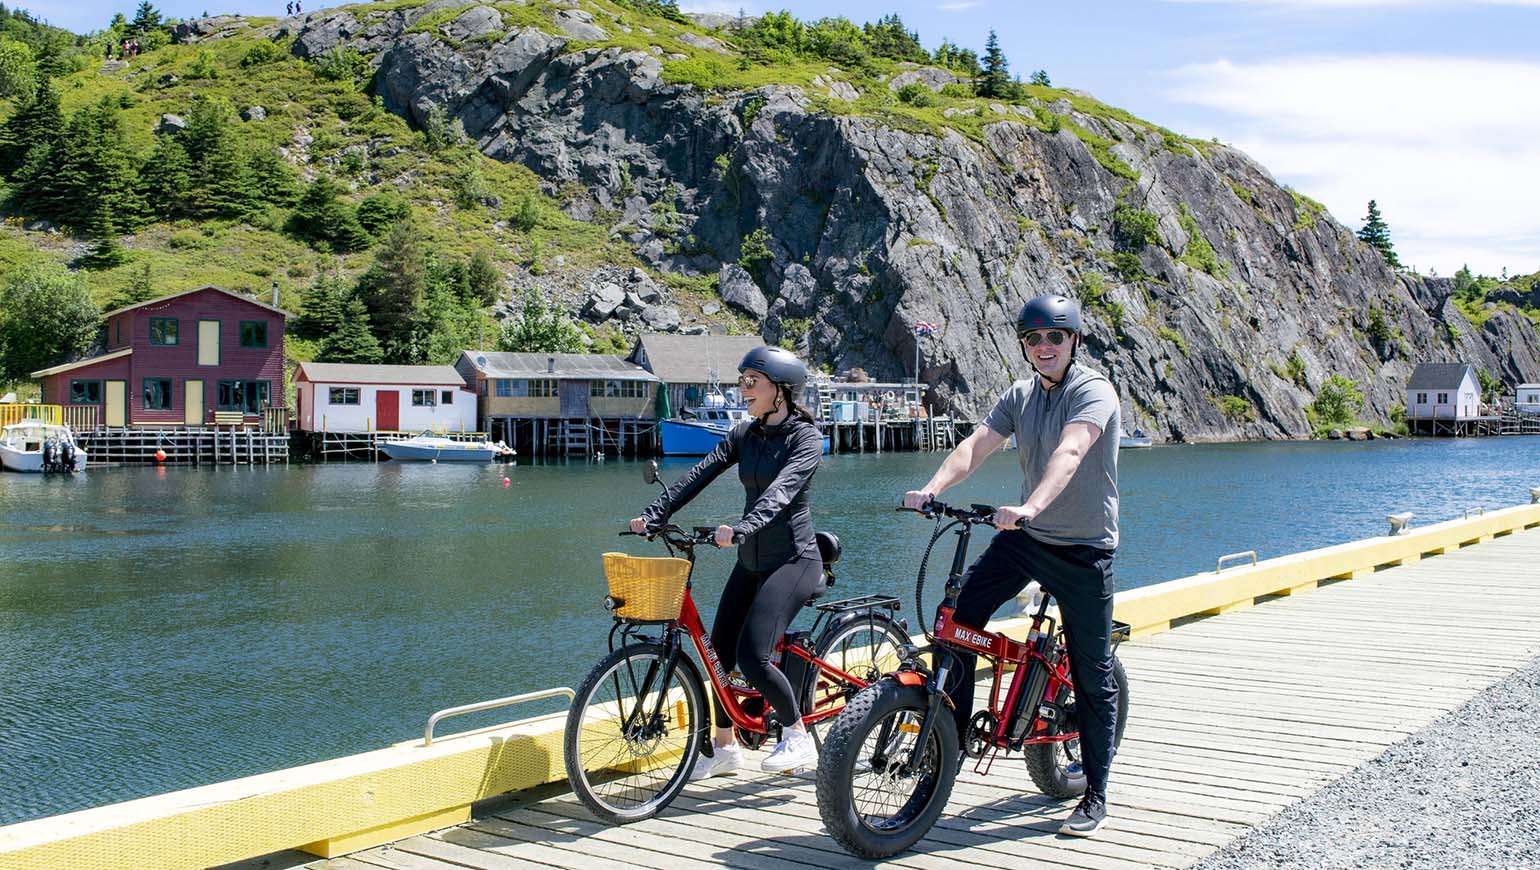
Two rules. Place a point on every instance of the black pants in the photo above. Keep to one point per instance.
(755, 610)
(1080, 580)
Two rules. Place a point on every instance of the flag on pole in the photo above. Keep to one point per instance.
(923, 328)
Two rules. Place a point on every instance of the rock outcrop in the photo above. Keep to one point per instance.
(1219, 322)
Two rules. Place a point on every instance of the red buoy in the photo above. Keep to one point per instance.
(505, 481)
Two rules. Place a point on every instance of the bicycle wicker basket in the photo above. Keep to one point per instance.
(645, 588)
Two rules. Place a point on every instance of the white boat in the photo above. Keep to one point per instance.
(1138, 439)
(34, 447)
(428, 447)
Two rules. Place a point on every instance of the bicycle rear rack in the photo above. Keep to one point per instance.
(862, 602)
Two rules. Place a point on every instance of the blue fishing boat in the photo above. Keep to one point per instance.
(701, 428)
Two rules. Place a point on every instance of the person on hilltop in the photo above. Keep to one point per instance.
(1066, 423)
(778, 567)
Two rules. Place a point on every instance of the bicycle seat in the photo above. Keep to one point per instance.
(828, 547)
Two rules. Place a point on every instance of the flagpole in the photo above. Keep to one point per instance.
(917, 338)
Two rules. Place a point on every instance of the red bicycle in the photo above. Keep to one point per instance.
(639, 718)
(889, 761)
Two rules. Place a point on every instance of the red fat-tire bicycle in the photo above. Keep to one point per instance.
(890, 759)
(640, 717)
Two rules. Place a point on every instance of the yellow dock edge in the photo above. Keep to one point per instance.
(346, 804)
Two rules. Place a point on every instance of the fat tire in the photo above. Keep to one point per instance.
(687, 676)
(1044, 763)
(836, 769)
(847, 624)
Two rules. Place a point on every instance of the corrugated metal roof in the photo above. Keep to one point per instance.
(606, 366)
(692, 359)
(1433, 376)
(360, 373)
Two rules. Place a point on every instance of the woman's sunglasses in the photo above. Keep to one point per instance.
(1055, 338)
(748, 382)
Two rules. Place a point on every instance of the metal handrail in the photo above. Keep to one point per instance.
(1480, 512)
(1219, 565)
(427, 733)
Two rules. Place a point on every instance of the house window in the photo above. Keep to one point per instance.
(422, 398)
(618, 389)
(543, 388)
(163, 332)
(157, 394)
(1422, 398)
(253, 333)
(446, 397)
(1443, 398)
(343, 396)
(504, 388)
(85, 392)
(246, 396)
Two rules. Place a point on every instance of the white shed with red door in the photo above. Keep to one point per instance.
(348, 397)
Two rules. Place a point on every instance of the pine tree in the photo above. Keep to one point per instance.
(996, 79)
(351, 341)
(540, 328)
(37, 123)
(1040, 78)
(1376, 233)
(321, 310)
(482, 278)
(166, 179)
(325, 221)
(1465, 285)
(140, 289)
(147, 17)
(393, 290)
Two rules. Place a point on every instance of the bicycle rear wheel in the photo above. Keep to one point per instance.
(866, 647)
(877, 795)
(1056, 768)
(633, 732)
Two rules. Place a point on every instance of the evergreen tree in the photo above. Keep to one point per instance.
(36, 124)
(1040, 78)
(351, 341)
(147, 17)
(46, 317)
(1376, 233)
(1465, 285)
(166, 179)
(88, 181)
(325, 221)
(321, 310)
(273, 178)
(482, 278)
(393, 290)
(222, 183)
(140, 289)
(996, 79)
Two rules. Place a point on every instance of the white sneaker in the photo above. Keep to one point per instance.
(725, 762)
(795, 751)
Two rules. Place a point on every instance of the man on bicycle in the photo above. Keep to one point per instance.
(1066, 423)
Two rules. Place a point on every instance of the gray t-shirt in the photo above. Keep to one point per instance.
(1086, 512)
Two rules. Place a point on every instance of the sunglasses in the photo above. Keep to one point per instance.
(1055, 338)
(748, 382)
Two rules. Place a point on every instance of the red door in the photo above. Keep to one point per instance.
(387, 410)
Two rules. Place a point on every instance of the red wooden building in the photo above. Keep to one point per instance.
(176, 360)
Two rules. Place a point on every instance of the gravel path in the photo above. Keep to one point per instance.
(1464, 792)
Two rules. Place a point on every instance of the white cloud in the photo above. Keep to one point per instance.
(1449, 147)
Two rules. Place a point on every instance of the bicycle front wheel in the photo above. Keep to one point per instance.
(633, 732)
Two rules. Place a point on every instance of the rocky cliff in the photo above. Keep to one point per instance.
(1218, 301)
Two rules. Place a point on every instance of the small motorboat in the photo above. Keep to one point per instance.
(35, 447)
(428, 447)
(1138, 439)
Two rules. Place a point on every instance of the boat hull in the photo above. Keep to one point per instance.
(683, 438)
(1128, 441)
(458, 452)
(31, 461)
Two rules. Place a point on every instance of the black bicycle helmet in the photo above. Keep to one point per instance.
(779, 365)
(1051, 311)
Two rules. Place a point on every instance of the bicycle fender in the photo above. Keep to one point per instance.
(909, 678)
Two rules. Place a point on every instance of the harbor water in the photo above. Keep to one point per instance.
(166, 628)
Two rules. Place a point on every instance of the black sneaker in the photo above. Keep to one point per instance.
(1087, 818)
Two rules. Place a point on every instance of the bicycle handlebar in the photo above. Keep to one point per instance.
(978, 514)
(678, 537)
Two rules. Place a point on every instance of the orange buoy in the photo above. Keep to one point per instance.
(160, 455)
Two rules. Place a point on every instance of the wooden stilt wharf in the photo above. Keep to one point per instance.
(360, 446)
(577, 436)
(186, 445)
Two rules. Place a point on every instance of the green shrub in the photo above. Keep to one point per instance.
(1175, 338)
(1295, 369)
(1198, 254)
(263, 52)
(748, 110)
(1134, 228)
(1379, 330)
(1236, 408)
(204, 66)
(916, 94)
(754, 253)
(1336, 404)
(958, 91)
(1128, 267)
(526, 214)
(340, 63)
(378, 211)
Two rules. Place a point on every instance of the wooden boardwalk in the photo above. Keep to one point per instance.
(1233, 718)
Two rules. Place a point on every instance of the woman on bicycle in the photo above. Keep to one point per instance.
(778, 567)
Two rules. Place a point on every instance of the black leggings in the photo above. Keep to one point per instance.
(755, 610)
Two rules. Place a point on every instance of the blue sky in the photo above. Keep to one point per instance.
(1430, 107)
